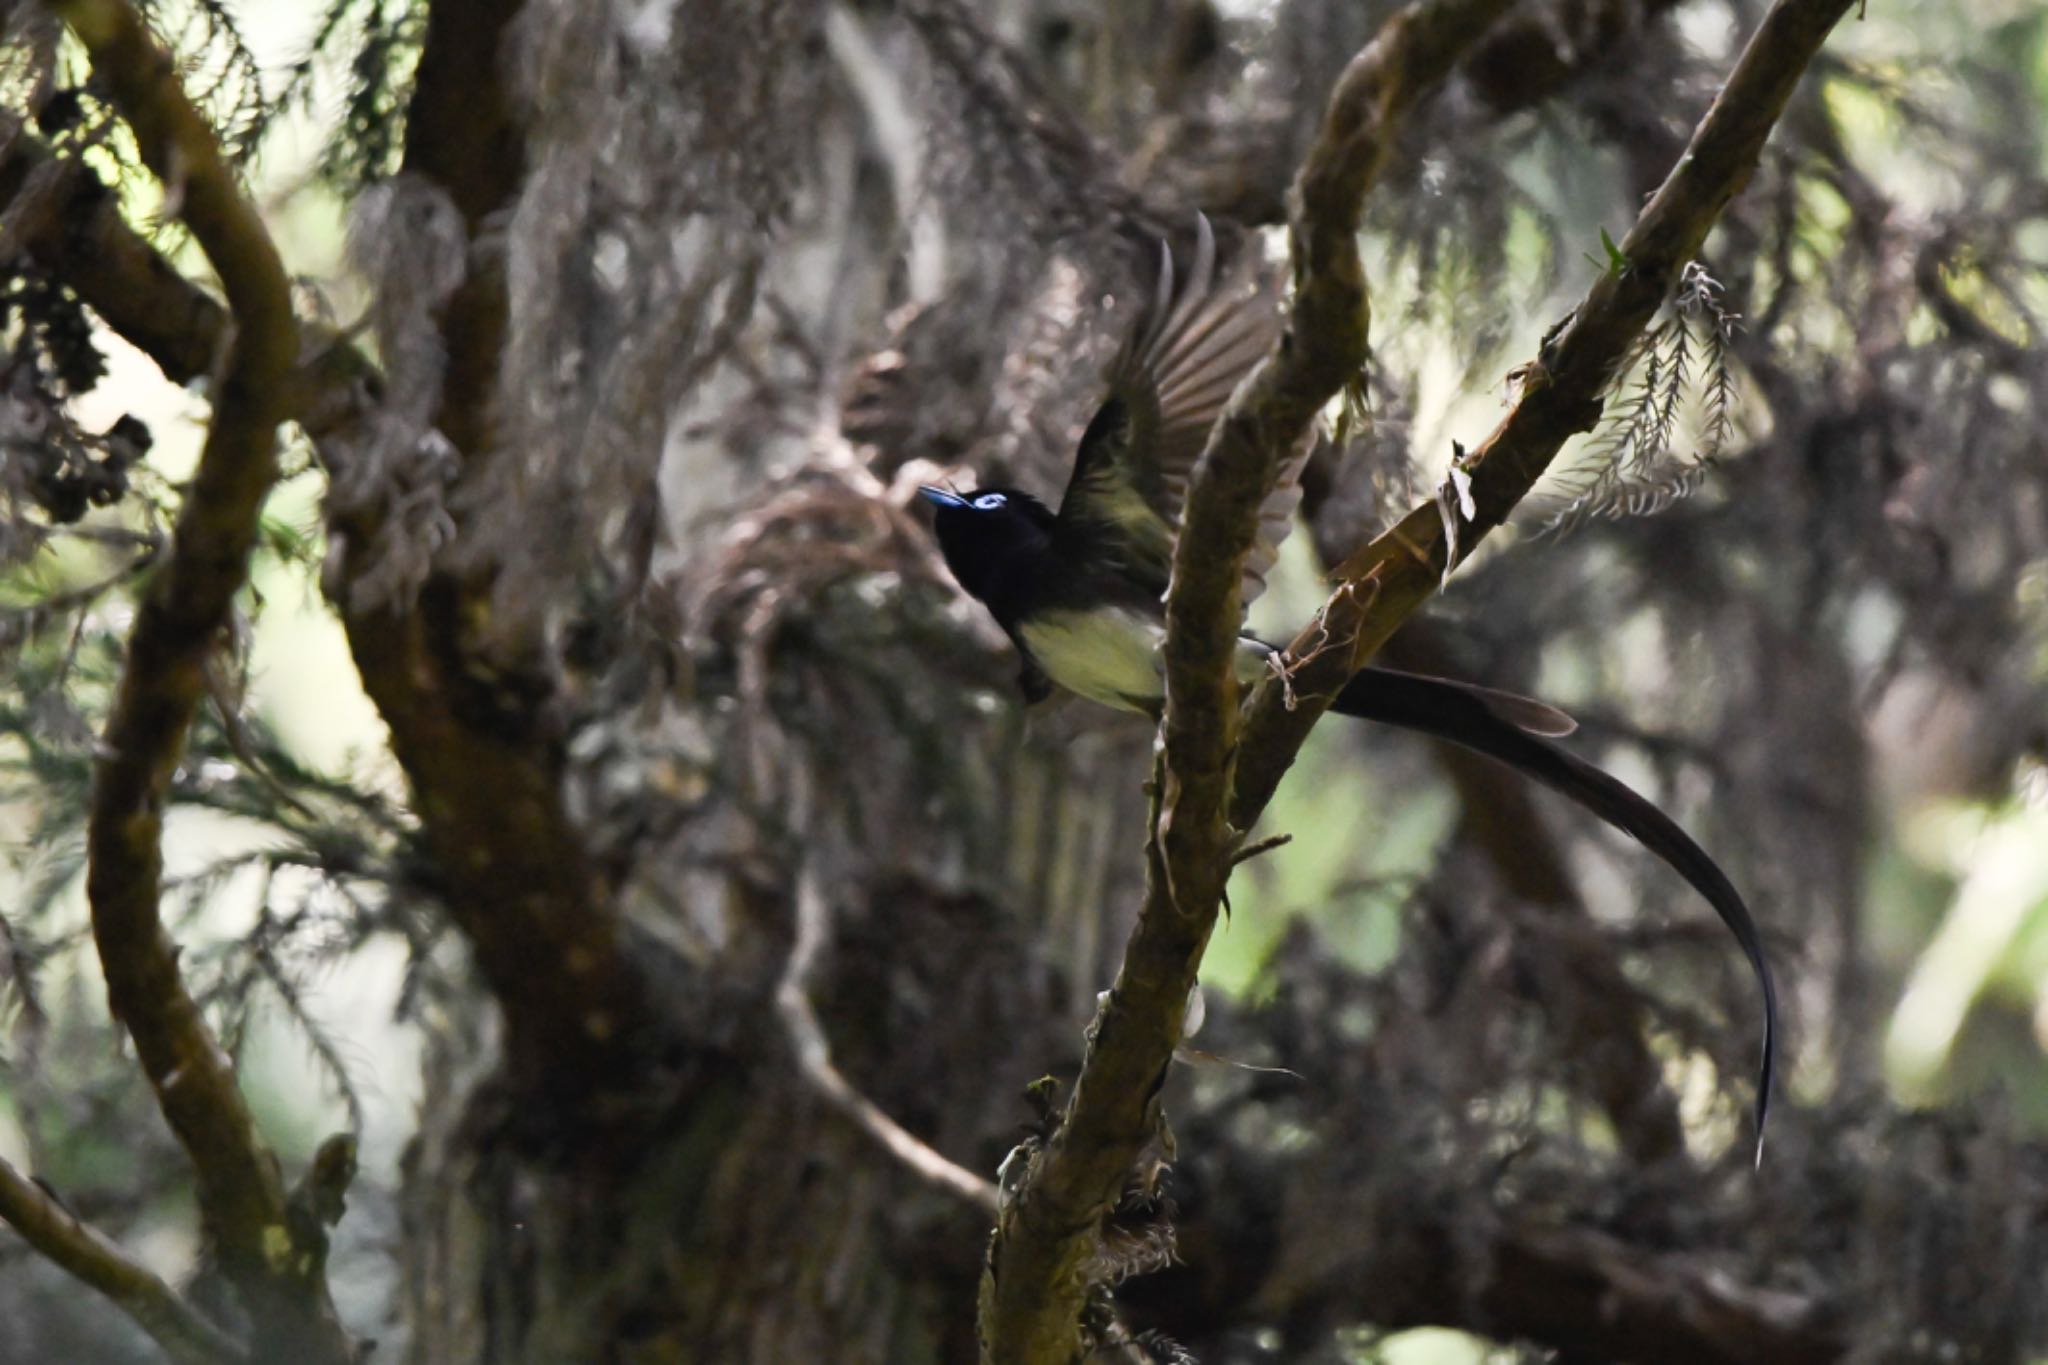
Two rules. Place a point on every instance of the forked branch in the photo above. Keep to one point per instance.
(1037, 1286)
(1215, 781)
(1562, 393)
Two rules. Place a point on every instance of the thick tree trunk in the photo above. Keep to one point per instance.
(789, 708)
(724, 1208)
(841, 737)
(751, 1224)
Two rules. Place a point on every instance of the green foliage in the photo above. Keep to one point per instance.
(322, 863)
(1631, 466)
(1617, 260)
(220, 72)
(367, 49)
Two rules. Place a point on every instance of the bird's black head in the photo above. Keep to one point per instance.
(993, 540)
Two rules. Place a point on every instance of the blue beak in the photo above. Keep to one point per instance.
(941, 496)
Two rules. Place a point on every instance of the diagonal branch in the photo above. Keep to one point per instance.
(1585, 1294)
(813, 1053)
(1210, 789)
(181, 616)
(52, 1229)
(59, 213)
(1039, 1288)
(1562, 393)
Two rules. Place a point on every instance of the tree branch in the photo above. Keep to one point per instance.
(461, 135)
(1562, 394)
(813, 1053)
(474, 723)
(155, 1307)
(186, 606)
(553, 955)
(1532, 56)
(64, 217)
(1586, 1294)
(1365, 1227)
(1239, 169)
(1038, 1285)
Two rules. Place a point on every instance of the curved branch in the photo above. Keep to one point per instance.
(65, 217)
(62, 215)
(1037, 1289)
(187, 605)
(813, 1054)
(1530, 57)
(45, 1224)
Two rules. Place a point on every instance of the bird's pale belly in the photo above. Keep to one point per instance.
(1111, 655)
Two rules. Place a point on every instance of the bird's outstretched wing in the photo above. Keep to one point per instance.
(1195, 342)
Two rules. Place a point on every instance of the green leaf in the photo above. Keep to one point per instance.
(1617, 260)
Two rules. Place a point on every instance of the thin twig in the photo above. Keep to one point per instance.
(53, 1230)
(1259, 847)
(72, 599)
(813, 1053)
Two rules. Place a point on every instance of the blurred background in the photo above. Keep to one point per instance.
(768, 271)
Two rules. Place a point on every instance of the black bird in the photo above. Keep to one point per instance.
(1080, 591)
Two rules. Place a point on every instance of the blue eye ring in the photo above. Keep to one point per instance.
(988, 502)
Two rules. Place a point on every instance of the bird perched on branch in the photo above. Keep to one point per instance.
(1080, 591)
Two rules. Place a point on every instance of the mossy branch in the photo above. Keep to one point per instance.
(1562, 392)
(1215, 779)
(1038, 1289)
(177, 625)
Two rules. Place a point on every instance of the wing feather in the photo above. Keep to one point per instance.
(1168, 385)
